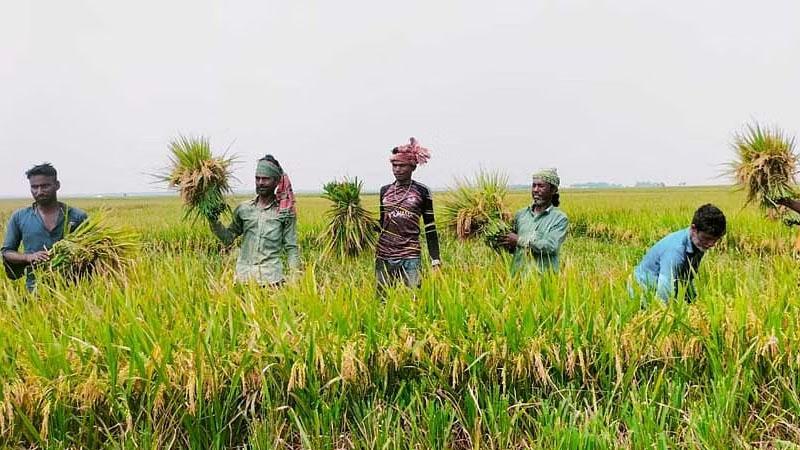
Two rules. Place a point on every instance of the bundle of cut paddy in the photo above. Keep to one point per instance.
(351, 228)
(473, 204)
(766, 165)
(202, 179)
(93, 248)
(494, 231)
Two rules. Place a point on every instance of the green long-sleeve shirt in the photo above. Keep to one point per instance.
(266, 234)
(540, 239)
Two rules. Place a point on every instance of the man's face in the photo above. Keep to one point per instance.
(265, 186)
(702, 240)
(542, 193)
(44, 188)
(402, 171)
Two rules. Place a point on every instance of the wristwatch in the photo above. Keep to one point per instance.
(436, 262)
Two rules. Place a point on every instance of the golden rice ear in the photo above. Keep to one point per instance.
(797, 245)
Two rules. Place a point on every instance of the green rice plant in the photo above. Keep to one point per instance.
(93, 248)
(179, 356)
(472, 204)
(351, 228)
(765, 166)
(202, 179)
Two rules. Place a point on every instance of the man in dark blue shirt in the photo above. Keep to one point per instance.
(38, 226)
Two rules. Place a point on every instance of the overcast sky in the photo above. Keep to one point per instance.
(614, 91)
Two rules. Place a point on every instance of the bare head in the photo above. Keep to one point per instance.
(708, 227)
(43, 179)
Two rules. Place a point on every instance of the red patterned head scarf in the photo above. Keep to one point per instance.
(410, 153)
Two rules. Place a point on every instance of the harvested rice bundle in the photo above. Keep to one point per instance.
(351, 229)
(473, 204)
(202, 179)
(93, 248)
(766, 165)
(494, 231)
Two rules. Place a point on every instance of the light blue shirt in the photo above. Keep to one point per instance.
(671, 261)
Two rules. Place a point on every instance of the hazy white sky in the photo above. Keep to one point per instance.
(618, 91)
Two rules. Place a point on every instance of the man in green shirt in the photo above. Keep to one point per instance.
(539, 230)
(268, 226)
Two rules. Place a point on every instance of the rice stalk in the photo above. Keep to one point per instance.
(494, 231)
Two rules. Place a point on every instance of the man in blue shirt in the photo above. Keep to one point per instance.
(674, 260)
(38, 226)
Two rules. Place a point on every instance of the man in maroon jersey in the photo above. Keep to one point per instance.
(402, 204)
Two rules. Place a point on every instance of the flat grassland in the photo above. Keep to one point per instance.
(176, 356)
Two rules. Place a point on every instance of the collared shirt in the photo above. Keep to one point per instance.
(540, 239)
(266, 235)
(26, 227)
(671, 261)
